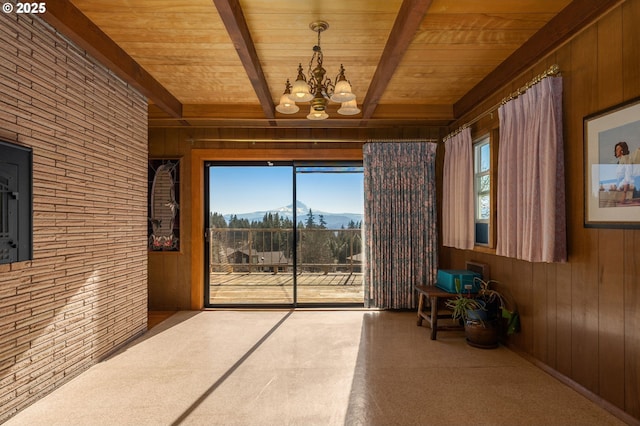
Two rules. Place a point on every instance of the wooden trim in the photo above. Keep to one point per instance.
(197, 231)
(494, 141)
(198, 159)
(68, 19)
(233, 18)
(408, 20)
(484, 249)
(602, 403)
(571, 20)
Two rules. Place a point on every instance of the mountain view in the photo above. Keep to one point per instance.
(333, 220)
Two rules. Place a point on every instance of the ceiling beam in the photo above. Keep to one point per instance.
(408, 20)
(67, 19)
(233, 19)
(576, 16)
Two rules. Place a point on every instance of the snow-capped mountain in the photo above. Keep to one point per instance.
(333, 220)
(301, 210)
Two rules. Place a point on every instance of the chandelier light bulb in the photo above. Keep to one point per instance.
(342, 92)
(349, 108)
(317, 115)
(287, 106)
(300, 91)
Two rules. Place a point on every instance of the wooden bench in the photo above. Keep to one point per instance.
(435, 298)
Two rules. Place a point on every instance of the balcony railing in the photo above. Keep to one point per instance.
(271, 250)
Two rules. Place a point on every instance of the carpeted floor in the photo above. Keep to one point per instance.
(310, 367)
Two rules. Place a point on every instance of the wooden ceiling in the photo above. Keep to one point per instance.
(410, 62)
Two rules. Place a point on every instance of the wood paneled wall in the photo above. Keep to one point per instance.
(582, 318)
(175, 278)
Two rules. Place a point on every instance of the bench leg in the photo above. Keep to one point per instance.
(420, 306)
(434, 317)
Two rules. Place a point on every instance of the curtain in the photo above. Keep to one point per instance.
(531, 221)
(458, 224)
(401, 239)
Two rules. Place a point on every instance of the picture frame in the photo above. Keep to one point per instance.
(163, 225)
(612, 167)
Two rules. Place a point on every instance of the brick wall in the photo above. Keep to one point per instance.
(85, 291)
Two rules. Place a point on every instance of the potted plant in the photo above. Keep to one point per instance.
(481, 314)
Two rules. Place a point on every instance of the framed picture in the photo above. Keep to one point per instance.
(612, 167)
(164, 205)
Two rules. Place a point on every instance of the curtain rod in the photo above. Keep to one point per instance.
(551, 71)
(262, 140)
(407, 140)
(266, 140)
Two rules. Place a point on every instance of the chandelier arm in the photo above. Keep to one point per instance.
(329, 86)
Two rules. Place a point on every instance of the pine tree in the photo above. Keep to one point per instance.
(311, 221)
(216, 220)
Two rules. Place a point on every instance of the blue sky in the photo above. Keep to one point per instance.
(244, 189)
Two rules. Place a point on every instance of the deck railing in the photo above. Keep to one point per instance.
(271, 250)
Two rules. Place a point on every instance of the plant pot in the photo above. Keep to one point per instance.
(478, 314)
(482, 334)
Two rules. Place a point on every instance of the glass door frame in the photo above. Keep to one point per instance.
(252, 163)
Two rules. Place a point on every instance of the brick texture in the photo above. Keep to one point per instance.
(84, 293)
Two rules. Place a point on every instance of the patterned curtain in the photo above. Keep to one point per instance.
(458, 225)
(531, 195)
(401, 238)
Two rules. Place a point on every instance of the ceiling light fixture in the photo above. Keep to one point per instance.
(317, 89)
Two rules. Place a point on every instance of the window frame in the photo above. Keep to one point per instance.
(493, 137)
(478, 174)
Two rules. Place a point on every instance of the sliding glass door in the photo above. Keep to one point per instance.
(283, 234)
(330, 201)
(250, 234)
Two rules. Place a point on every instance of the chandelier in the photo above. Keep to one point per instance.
(317, 89)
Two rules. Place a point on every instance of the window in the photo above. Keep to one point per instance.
(15, 203)
(482, 189)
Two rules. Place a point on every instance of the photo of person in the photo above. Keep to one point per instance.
(628, 172)
(619, 152)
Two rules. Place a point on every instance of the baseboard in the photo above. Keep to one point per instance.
(596, 399)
